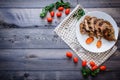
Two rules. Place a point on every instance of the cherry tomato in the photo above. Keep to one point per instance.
(52, 13)
(67, 11)
(102, 68)
(49, 19)
(75, 59)
(69, 54)
(94, 68)
(92, 64)
(59, 14)
(84, 63)
(61, 8)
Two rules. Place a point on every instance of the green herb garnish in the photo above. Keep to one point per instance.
(51, 7)
(63, 4)
(46, 9)
(79, 14)
(87, 72)
(95, 72)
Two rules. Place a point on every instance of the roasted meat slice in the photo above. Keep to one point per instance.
(109, 35)
(108, 31)
(86, 26)
(92, 23)
(87, 18)
(82, 28)
(99, 28)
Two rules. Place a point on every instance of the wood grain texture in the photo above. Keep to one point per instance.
(37, 65)
(42, 3)
(38, 60)
(29, 18)
(100, 3)
(55, 75)
(45, 60)
(35, 52)
(30, 3)
(31, 38)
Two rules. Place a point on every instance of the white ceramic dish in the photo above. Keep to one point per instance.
(106, 45)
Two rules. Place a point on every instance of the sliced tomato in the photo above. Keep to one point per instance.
(99, 43)
(89, 40)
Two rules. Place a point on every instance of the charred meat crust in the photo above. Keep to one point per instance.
(98, 28)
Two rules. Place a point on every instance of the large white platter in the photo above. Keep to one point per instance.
(106, 45)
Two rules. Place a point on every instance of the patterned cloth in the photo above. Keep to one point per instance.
(66, 30)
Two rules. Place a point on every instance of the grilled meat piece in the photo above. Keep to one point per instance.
(98, 28)
(109, 35)
(82, 28)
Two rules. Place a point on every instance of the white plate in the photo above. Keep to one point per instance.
(106, 45)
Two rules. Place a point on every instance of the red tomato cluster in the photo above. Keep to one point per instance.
(58, 14)
(69, 55)
(84, 63)
(94, 66)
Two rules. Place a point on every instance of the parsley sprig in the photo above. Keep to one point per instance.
(50, 7)
(79, 14)
(86, 72)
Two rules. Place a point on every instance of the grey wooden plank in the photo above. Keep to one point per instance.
(107, 76)
(42, 3)
(29, 18)
(20, 18)
(30, 3)
(55, 75)
(30, 38)
(45, 60)
(100, 3)
(41, 59)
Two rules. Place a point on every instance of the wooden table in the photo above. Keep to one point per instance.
(37, 53)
